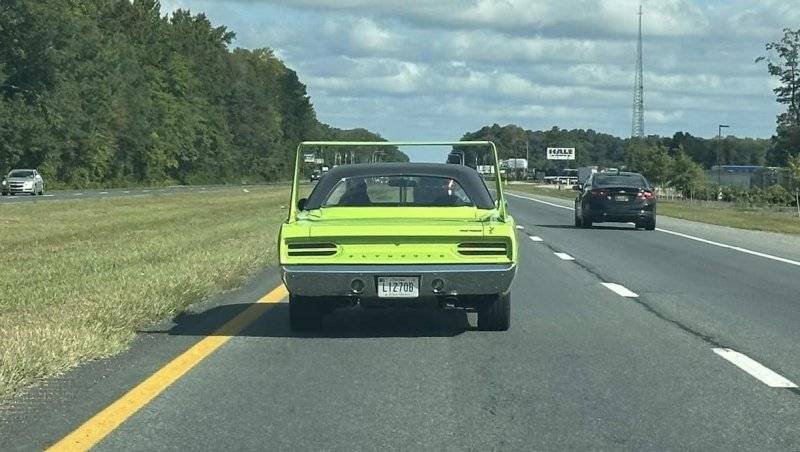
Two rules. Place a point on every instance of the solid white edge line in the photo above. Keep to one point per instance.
(754, 368)
(731, 247)
(690, 237)
(564, 256)
(621, 290)
(536, 238)
(540, 201)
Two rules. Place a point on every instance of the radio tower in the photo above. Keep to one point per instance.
(638, 88)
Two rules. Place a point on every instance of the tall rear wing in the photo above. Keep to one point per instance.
(501, 200)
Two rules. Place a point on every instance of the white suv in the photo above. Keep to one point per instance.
(22, 181)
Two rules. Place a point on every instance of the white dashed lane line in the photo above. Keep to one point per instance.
(621, 290)
(564, 256)
(740, 360)
(754, 368)
(535, 238)
(520, 227)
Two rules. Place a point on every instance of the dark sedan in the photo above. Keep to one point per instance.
(616, 197)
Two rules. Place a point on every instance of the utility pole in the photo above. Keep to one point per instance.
(527, 152)
(527, 158)
(719, 154)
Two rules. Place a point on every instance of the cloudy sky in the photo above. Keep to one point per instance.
(416, 69)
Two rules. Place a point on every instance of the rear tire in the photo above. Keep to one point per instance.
(578, 222)
(495, 313)
(650, 225)
(304, 314)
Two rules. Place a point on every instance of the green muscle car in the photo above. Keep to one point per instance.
(399, 234)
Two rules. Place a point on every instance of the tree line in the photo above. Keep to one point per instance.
(595, 148)
(678, 162)
(110, 92)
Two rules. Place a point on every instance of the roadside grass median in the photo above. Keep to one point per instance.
(79, 278)
(722, 214)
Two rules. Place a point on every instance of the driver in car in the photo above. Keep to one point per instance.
(355, 193)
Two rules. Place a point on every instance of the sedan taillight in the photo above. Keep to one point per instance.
(647, 195)
(599, 194)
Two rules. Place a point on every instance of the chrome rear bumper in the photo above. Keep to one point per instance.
(459, 279)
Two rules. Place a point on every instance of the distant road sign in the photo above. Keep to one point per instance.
(560, 153)
(309, 158)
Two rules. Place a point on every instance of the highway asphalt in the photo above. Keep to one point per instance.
(696, 347)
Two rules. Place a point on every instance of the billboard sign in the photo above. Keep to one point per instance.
(560, 153)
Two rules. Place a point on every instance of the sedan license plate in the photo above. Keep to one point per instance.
(398, 287)
(621, 198)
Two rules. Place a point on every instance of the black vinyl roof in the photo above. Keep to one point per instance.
(468, 178)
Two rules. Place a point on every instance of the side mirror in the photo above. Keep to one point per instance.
(576, 187)
(301, 203)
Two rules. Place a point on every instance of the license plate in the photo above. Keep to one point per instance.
(621, 198)
(398, 287)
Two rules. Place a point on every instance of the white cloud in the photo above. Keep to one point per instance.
(360, 33)
(564, 17)
(437, 69)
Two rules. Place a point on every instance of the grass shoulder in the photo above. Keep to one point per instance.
(82, 276)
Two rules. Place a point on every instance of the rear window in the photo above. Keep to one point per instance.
(397, 191)
(621, 180)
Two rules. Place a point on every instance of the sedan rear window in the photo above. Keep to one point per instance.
(619, 180)
(397, 191)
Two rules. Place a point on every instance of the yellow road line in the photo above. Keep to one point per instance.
(106, 421)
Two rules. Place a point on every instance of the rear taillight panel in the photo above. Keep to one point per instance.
(599, 194)
(311, 249)
(483, 248)
(647, 195)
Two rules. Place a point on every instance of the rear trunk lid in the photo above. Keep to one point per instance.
(397, 236)
(617, 198)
